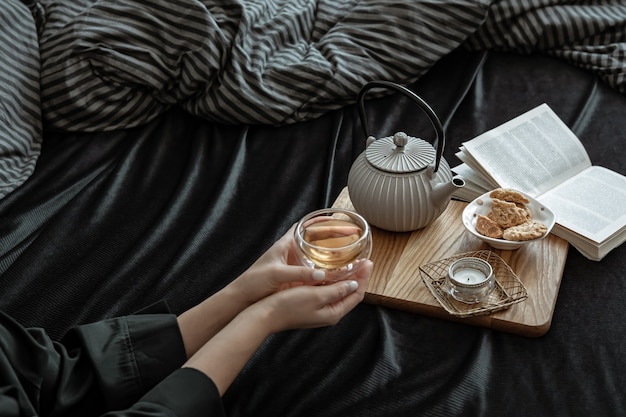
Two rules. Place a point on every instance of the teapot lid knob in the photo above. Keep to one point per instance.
(400, 139)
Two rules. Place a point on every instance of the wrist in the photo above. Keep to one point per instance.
(203, 321)
(238, 292)
(223, 356)
(259, 316)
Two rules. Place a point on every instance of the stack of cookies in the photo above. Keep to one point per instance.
(509, 218)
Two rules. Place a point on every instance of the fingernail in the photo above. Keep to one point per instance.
(319, 275)
(353, 285)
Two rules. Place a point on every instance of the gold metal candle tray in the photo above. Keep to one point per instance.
(508, 288)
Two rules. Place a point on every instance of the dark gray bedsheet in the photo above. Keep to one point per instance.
(110, 222)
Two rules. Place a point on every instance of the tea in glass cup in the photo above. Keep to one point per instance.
(333, 239)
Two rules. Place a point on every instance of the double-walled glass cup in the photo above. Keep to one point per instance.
(333, 239)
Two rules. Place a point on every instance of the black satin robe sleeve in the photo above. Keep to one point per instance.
(119, 367)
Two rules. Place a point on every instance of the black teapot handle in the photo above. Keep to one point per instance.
(439, 141)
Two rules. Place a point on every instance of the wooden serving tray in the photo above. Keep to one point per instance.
(396, 281)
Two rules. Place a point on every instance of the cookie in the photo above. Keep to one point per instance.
(487, 227)
(525, 231)
(508, 214)
(509, 195)
(528, 212)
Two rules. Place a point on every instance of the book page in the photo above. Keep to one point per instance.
(532, 152)
(592, 204)
(474, 186)
(471, 165)
(470, 176)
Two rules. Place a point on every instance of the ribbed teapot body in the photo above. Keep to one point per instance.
(397, 202)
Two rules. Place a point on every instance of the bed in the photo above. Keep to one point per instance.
(138, 171)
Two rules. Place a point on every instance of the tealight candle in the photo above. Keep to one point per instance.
(470, 280)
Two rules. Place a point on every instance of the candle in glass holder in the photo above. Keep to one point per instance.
(470, 280)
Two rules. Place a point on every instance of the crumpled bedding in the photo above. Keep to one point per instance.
(108, 65)
(20, 109)
(112, 222)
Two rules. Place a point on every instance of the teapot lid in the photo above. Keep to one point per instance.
(400, 153)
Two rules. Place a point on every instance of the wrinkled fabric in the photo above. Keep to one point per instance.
(108, 65)
(20, 105)
(588, 34)
(111, 222)
(123, 366)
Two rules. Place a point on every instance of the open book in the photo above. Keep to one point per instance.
(538, 154)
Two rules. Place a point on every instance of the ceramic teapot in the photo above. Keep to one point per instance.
(401, 183)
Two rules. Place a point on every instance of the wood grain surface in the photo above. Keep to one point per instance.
(396, 281)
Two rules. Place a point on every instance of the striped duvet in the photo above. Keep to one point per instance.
(20, 108)
(110, 64)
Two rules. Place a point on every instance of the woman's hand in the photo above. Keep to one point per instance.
(276, 270)
(309, 306)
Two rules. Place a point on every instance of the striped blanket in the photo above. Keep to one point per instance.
(108, 64)
(20, 107)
